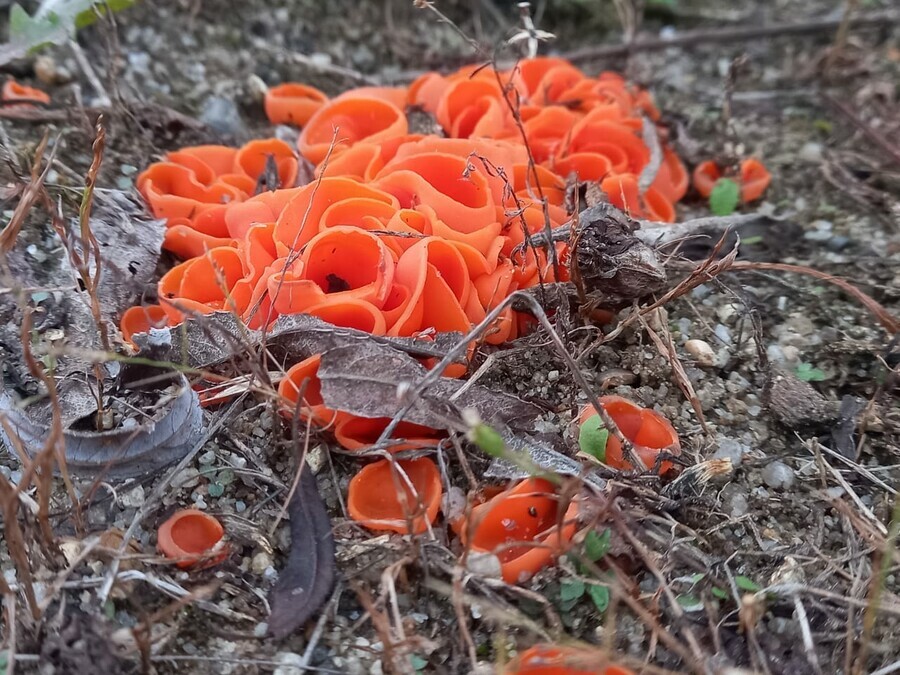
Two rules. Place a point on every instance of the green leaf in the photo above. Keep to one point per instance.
(571, 589)
(689, 603)
(719, 593)
(600, 596)
(488, 440)
(752, 240)
(746, 584)
(699, 576)
(216, 489)
(808, 373)
(418, 663)
(596, 545)
(55, 21)
(4, 662)
(592, 437)
(225, 477)
(724, 198)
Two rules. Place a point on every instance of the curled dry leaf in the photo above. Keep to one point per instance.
(305, 582)
(381, 372)
(138, 450)
(214, 338)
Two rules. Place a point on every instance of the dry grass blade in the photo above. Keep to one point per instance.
(10, 233)
(666, 348)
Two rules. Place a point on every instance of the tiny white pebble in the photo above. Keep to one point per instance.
(701, 352)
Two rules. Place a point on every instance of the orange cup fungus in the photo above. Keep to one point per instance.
(553, 660)
(14, 91)
(192, 537)
(380, 498)
(649, 432)
(524, 528)
(293, 103)
(753, 180)
(405, 234)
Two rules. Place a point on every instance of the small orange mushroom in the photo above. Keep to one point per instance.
(14, 91)
(754, 179)
(649, 432)
(521, 527)
(380, 499)
(191, 538)
(556, 660)
(293, 103)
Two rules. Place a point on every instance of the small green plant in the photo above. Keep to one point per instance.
(808, 373)
(571, 591)
(56, 21)
(725, 196)
(592, 437)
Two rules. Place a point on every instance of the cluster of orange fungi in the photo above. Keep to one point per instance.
(405, 234)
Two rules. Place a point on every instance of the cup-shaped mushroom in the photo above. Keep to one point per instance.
(192, 538)
(360, 433)
(141, 319)
(300, 218)
(15, 91)
(558, 660)
(437, 285)
(649, 432)
(460, 198)
(525, 528)
(624, 193)
(293, 103)
(473, 108)
(380, 498)
(754, 178)
(672, 178)
(201, 284)
(301, 394)
(350, 313)
(257, 158)
(344, 262)
(348, 120)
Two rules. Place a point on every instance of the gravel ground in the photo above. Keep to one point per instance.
(795, 515)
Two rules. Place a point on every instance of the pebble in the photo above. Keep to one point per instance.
(731, 449)
(187, 477)
(701, 352)
(484, 564)
(723, 333)
(289, 663)
(261, 562)
(133, 498)
(778, 475)
(811, 152)
(221, 115)
(49, 72)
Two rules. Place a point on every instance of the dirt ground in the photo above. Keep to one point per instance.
(785, 564)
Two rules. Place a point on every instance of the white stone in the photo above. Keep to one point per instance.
(701, 352)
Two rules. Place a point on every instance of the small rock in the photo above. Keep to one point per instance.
(811, 152)
(701, 352)
(261, 562)
(49, 72)
(723, 333)
(133, 498)
(187, 478)
(289, 663)
(256, 88)
(485, 564)
(731, 449)
(221, 114)
(778, 475)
